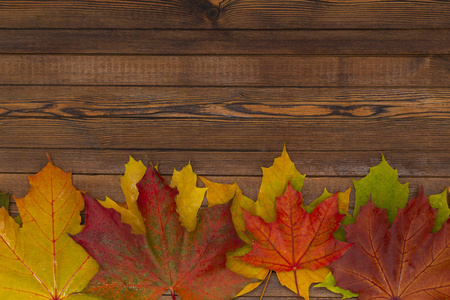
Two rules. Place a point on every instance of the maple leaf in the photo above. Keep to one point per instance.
(168, 257)
(134, 171)
(330, 283)
(189, 198)
(404, 261)
(4, 200)
(382, 186)
(274, 182)
(39, 259)
(440, 202)
(296, 240)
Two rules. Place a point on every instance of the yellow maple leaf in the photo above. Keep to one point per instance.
(274, 182)
(40, 259)
(189, 198)
(134, 171)
(305, 278)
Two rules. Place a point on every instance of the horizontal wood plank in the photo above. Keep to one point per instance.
(218, 163)
(345, 71)
(227, 134)
(275, 289)
(100, 186)
(252, 42)
(243, 102)
(251, 14)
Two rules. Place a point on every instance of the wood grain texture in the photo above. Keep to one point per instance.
(227, 134)
(219, 42)
(224, 85)
(251, 14)
(224, 70)
(221, 163)
(275, 289)
(244, 102)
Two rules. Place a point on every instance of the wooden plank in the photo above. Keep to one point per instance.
(182, 42)
(218, 163)
(346, 71)
(243, 102)
(227, 134)
(99, 186)
(276, 291)
(251, 14)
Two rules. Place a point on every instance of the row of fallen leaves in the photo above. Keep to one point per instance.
(390, 248)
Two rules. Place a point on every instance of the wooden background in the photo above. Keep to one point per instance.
(225, 84)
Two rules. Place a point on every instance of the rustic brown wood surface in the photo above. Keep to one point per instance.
(225, 84)
(203, 14)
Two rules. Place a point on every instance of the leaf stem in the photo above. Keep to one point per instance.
(265, 286)
(296, 284)
(173, 294)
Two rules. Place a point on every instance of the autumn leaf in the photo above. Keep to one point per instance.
(274, 182)
(382, 186)
(440, 202)
(168, 257)
(134, 171)
(296, 240)
(330, 283)
(189, 198)
(219, 193)
(343, 201)
(39, 259)
(404, 261)
(4, 200)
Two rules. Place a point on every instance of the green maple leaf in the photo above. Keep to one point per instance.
(440, 202)
(382, 186)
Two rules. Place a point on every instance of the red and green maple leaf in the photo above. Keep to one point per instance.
(168, 257)
(404, 262)
(296, 240)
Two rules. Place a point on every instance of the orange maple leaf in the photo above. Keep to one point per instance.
(296, 239)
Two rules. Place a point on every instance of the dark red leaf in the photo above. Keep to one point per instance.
(404, 261)
(168, 257)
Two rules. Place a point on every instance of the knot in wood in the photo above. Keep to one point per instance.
(213, 13)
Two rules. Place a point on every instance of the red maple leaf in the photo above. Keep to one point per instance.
(296, 240)
(404, 261)
(135, 266)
